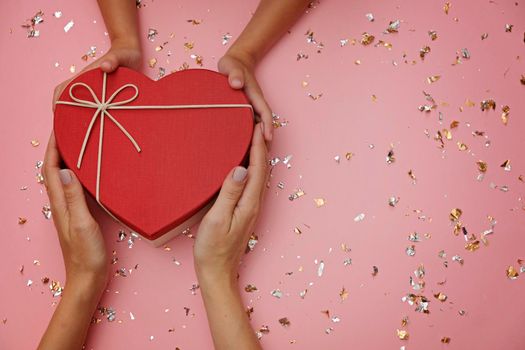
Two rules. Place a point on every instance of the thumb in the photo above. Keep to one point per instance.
(236, 78)
(109, 63)
(231, 191)
(74, 195)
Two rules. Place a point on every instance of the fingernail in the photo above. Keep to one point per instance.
(239, 174)
(65, 176)
(236, 82)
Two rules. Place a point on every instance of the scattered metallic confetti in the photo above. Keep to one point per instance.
(349, 155)
(462, 146)
(252, 242)
(152, 34)
(512, 273)
(367, 39)
(226, 38)
(152, 62)
(393, 27)
(411, 250)
(440, 296)
(359, 217)
(31, 23)
(402, 334)
(277, 293)
(390, 158)
(195, 22)
(375, 271)
(68, 26)
(414, 237)
(505, 111)
(488, 104)
(446, 7)
(369, 17)
(433, 34)
(343, 294)
(465, 53)
(92, 52)
(21, 220)
(46, 210)
(482, 166)
(319, 202)
(458, 259)
(35, 143)
(320, 269)
(298, 193)
(347, 262)
(433, 78)
(445, 340)
(55, 288)
(284, 322)
(506, 165)
(249, 288)
(508, 28)
(57, 14)
(424, 51)
(315, 97)
(392, 201)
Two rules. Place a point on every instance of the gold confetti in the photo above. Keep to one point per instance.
(21, 220)
(349, 155)
(482, 166)
(195, 22)
(402, 334)
(447, 134)
(152, 62)
(454, 124)
(319, 202)
(455, 214)
(472, 246)
(250, 288)
(72, 68)
(446, 7)
(35, 143)
(441, 297)
(445, 340)
(343, 294)
(412, 175)
(433, 78)
(462, 146)
(367, 39)
(487, 104)
(188, 46)
(297, 230)
(506, 165)
(433, 34)
(505, 111)
(424, 51)
(284, 322)
(512, 273)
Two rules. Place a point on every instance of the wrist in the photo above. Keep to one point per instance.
(212, 280)
(89, 284)
(126, 42)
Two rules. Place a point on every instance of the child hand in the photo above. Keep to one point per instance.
(240, 71)
(82, 244)
(225, 230)
(121, 53)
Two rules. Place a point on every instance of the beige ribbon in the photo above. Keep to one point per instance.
(102, 108)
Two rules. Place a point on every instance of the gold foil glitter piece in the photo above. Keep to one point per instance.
(367, 39)
(152, 62)
(21, 220)
(440, 296)
(445, 340)
(433, 78)
(284, 322)
(472, 246)
(402, 334)
(424, 51)
(512, 273)
(462, 146)
(319, 202)
(343, 294)
(488, 104)
(433, 34)
(249, 288)
(455, 214)
(505, 111)
(482, 166)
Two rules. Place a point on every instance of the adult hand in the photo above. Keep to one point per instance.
(82, 244)
(226, 228)
(240, 71)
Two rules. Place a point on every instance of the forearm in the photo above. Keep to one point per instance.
(68, 327)
(229, 323)
(120, 17)
(270, 21)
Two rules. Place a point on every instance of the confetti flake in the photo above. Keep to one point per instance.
(402, 334)
(367, 39)
(432, 34)
(46, 211)
(446, 7)
(410, 250)
(424, 51)
(359, 217)
(488, 104)
(506, 165)
(252, 242)
(152, 34)
(508, 28)
(390, 158)
(433, 78)
(21, 220)
(375, 271)
(512, 273)
(319, 202)
(195, 22)
(57, 14)
(152, 62)
(445, 340)
(393, 27)
(226, 38)
(249, 288)
(277, 293)
(441, 297)
(284, 322)
(68, 26)
(320, 269)
(343, 294)
(482, 166)
(505, 111)
(298, 193)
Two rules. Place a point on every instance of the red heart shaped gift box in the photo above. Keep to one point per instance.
(153, 153)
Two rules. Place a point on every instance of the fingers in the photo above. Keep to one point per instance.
(74, 198)
(236, 78)
(54, 189)
(255, 95)
(109, 63)
(231, 191)
(257, 171)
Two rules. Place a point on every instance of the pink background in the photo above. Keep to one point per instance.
(344, 119)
